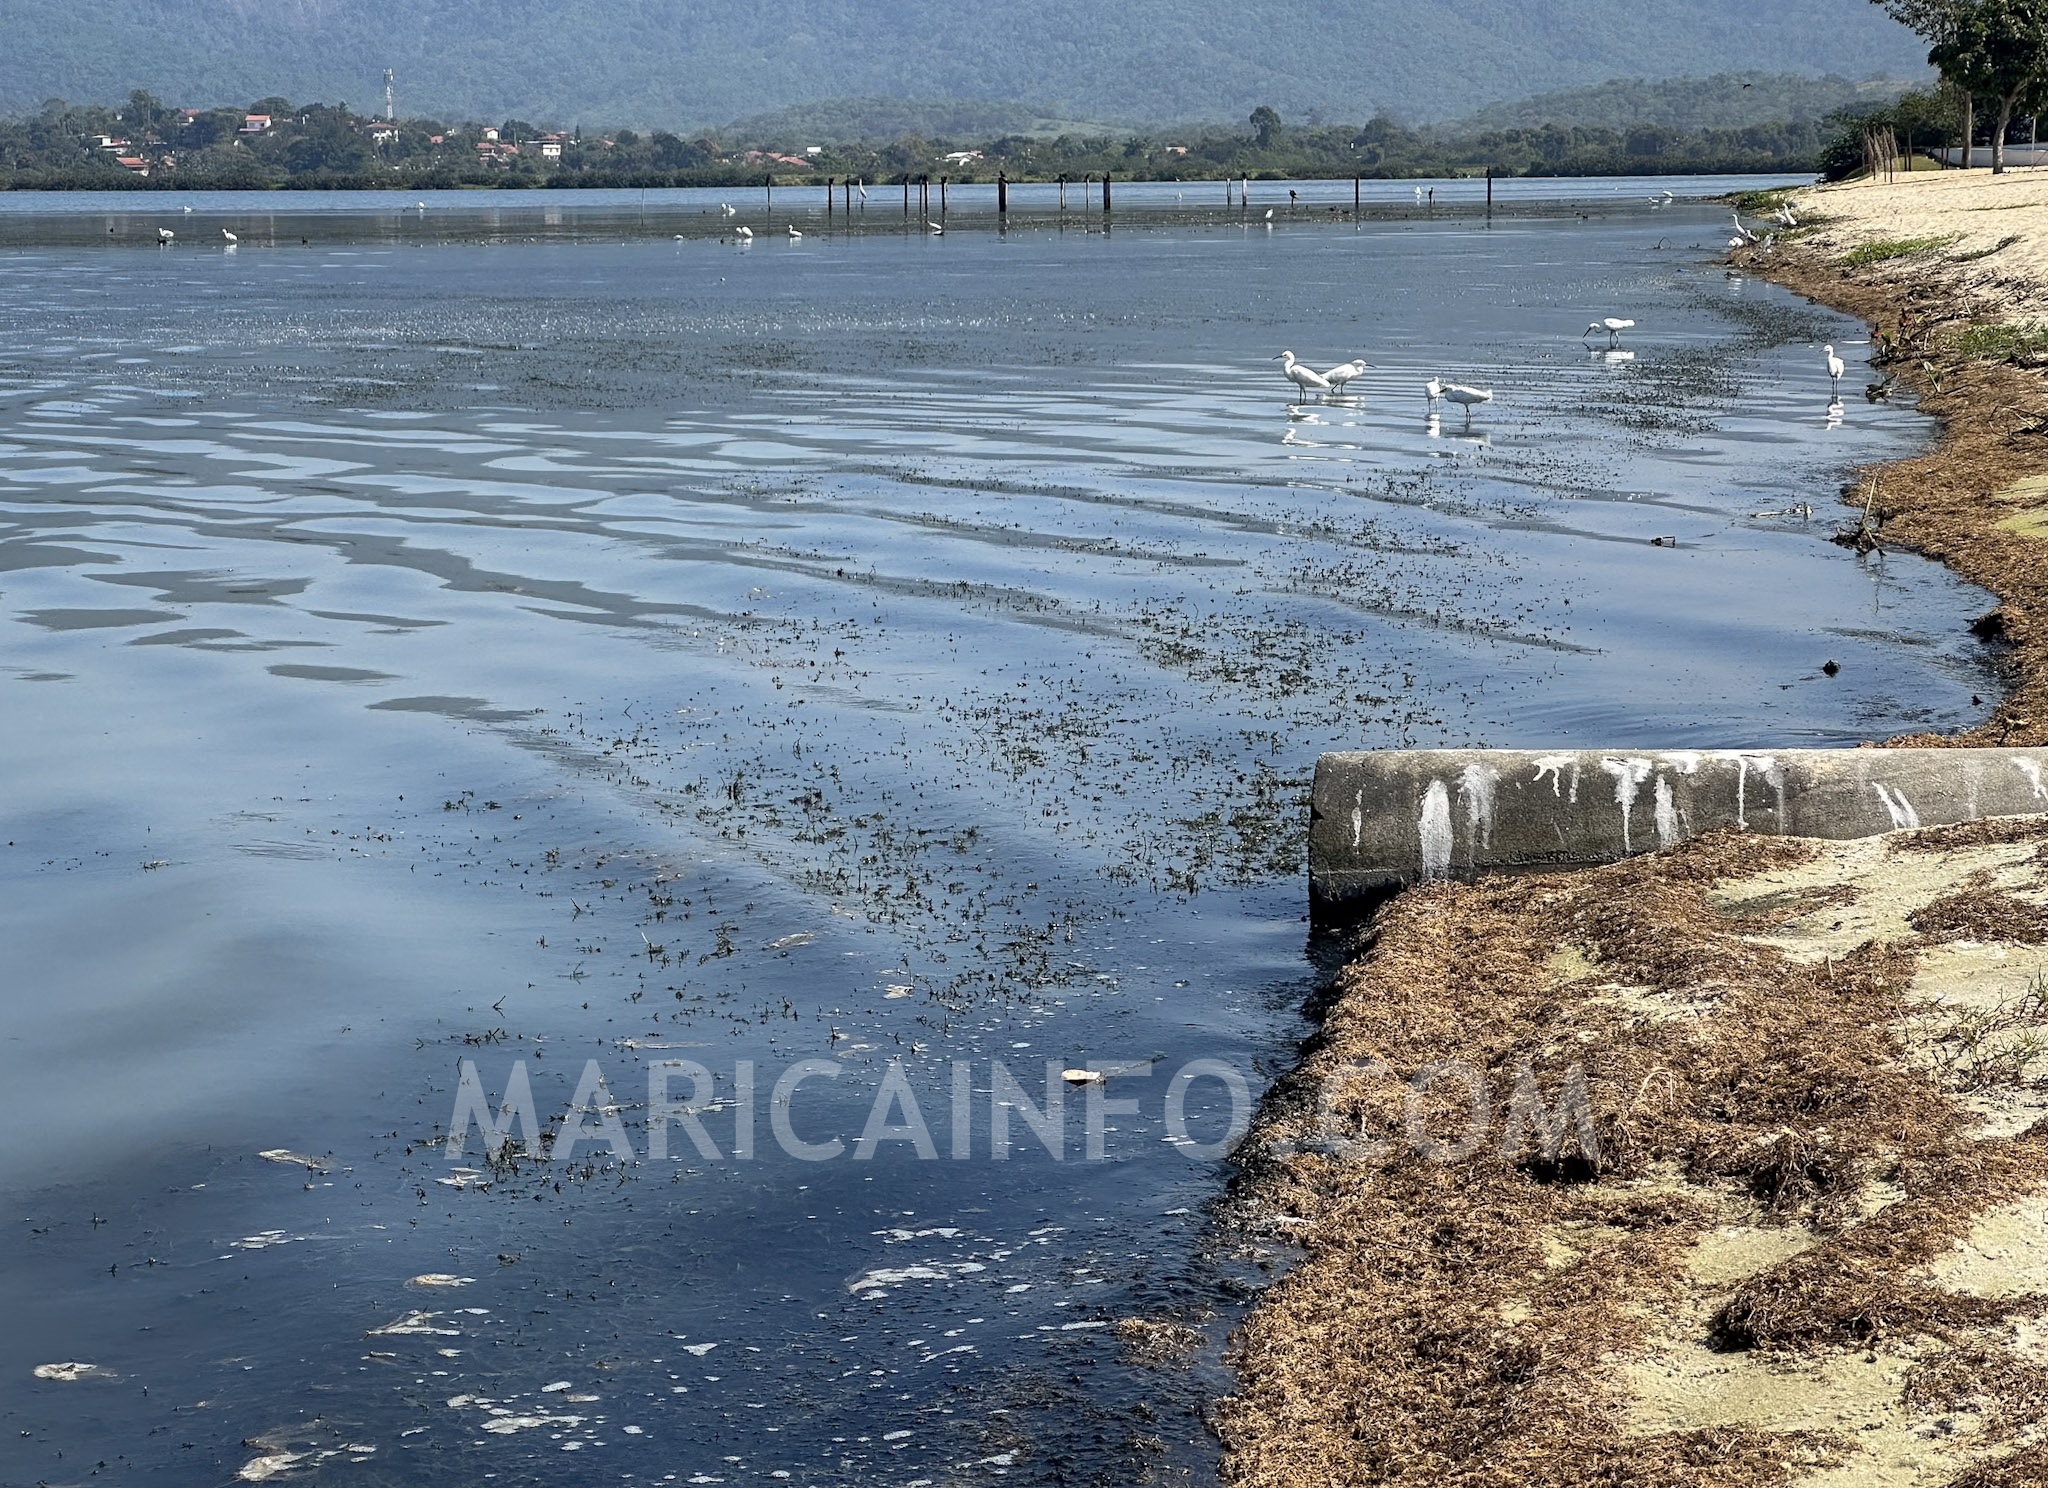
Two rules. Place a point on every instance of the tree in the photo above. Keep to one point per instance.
(1265, 125)
(1939, 21)
(1999, 48)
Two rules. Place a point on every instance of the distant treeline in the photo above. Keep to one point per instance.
(276, 144)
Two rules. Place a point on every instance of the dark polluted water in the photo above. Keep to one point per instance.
(852, 680)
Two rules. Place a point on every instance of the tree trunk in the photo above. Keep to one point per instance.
(1969, 127)
(1998, 138)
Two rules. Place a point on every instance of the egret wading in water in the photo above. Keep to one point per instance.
(744, 234)
(1612, 326)
(164, 236)
(1307, 379)
(937, 230)
(1836, 367)
(794, 235)
(229, 236)
(1337, 377)
(1467, 398)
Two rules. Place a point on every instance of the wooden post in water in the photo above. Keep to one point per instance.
(769, 185)
(828, 198)
(1354, 196)
(846, 186)
(1063, 191)
(906, 194)
(1105, 191)
(1489, 191)
(1002, 195)
(942, 198)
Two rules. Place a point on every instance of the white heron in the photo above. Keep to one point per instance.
(1337, 377)
(1434, 391)
(1269, 214)
(229, 236)
(164, 236)
(1467, 398)
(1307, 379)
(936, 229)
(188, 211)
(862, 188)
(1742, 232)
(744, 234)
(419, 206)
(727, 209)
(1785, 217)
(794, 235)
(1612, 325)
(1836, 367)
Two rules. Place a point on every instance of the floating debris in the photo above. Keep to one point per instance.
(73, 1372)
(790, 942)
(1082, 1076)
(286, 1155)
(414, 1323)
(440, 1279)
(263, 1469)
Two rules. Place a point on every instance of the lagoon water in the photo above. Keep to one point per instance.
(566, 636)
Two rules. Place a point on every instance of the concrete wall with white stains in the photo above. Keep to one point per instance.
(1389, 818)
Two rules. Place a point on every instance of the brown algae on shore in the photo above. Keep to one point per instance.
(1793, 1238)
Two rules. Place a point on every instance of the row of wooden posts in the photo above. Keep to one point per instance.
(924, 193)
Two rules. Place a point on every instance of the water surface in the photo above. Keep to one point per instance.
(887, 648)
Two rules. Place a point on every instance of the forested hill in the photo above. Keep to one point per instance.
(1725, 101)
(684, 63)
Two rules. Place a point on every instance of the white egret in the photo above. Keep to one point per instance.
(862, 188)
(188, 211)
(1612, 325)
(164, 236)
(794, 235)
(419, 206)
(1336, 377)
(1269, 214)
(727, 209)
(1836, 367)
(1307, 379)
(936, 229)
(744, 234)
(1434, 391)
(1467, 398)
(229, 236)
(1785, 216)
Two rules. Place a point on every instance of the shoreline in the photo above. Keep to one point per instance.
(1757, 1188)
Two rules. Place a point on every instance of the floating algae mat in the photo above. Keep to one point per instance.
(754, 721)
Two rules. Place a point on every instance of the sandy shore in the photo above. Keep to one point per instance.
(1757, 1184)
(1795, 1231)
(1996, 262)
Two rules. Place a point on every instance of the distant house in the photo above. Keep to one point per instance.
(766, 157)
(255, 123)
(133, 163)
(491, 152)
(381, 134)
(551, 146)
(814, 149)
(491, 136)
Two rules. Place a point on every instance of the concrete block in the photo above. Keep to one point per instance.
(1389, 818)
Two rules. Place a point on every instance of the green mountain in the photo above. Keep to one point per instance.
(660, 62)
(1729, 100)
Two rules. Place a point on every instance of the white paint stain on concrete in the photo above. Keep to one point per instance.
(2032, 770)
(1475, 792)
(1629, 775)
(1551, 764)
(1358, 819)
(1684, 761)
(1897, 807)
(1435, 831)
(1667, 815)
